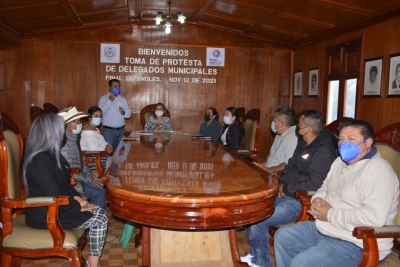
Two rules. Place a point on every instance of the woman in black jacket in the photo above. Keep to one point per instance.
(46, 173)
(233, 131)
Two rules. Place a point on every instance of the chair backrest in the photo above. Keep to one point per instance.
(241, 112)
(35, 112)
(387, 141)
(10, 158)
(334, 125)
(50, 108)
(251, 125)
(148, 111)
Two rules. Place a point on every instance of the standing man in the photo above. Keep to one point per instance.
(306, 170)
(361, 189)
(115, 110)
(284, 143)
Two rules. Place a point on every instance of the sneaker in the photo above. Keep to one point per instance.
(247, 259)
(253, 265)
(110, 237)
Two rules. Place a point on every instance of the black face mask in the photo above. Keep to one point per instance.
(298, 132)
(207, 117)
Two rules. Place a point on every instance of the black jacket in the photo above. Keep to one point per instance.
(46, 179)
(234, 136)
(310, 164)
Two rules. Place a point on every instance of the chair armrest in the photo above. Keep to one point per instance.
(305, 199)
(35, 202)
(72, 171)
(277, 176)
(88, 155)
(369, 235)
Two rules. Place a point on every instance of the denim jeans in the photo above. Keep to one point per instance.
(97, 194)
(301, 245)
(286, 210)
(113, 137)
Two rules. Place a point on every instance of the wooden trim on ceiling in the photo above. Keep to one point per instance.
(242, 36)
(125, 8)
(302, 35)
(28, 6)
(343, 6)
(223, 16)
(71, 12)
(249, 5)
(353, 25)
(11, 26)
(9, 35)
(202, 7)
(307, 20)
(135, 9)
(268, 17)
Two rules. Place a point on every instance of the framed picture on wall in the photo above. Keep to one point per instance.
(298, 82)
(394, 76)
(373, 77)
(313, 82)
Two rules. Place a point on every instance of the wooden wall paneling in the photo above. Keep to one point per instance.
(378, 40)
(68, 66)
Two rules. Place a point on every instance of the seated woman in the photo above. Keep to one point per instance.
(159, 121)
(211, 127)
(233, 131)
(91, 138)
(46, 173)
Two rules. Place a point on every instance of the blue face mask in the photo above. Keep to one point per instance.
(349, 151)
(96, 121)
(115, 91)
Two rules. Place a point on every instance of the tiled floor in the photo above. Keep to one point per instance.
(114, 254)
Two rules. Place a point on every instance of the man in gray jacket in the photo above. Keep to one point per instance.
(87, 183)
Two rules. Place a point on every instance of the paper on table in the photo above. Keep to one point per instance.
(163, 131)
(145, 133)
(129, 138)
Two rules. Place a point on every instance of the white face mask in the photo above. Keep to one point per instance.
(78, 129)
(96, 121)
(159, 113)
(227, 120)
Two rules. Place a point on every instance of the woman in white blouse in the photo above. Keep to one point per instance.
(91, 138)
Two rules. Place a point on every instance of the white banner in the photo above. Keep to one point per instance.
(109, 53)
(215, 57)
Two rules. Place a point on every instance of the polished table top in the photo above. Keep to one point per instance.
(172, 181)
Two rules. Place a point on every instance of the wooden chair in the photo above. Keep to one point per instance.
(35, 112)
(334, 125)
(241, 112)
(50, 108)
(251, 127)
(387, 141)
(148, 111)
(18, 240)
(95, 157)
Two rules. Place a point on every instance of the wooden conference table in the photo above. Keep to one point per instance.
(189, 195)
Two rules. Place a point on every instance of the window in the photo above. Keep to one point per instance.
(342, 65)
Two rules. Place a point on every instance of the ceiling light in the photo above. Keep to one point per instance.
(161, 15)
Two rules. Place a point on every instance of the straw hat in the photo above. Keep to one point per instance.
(71, 113)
